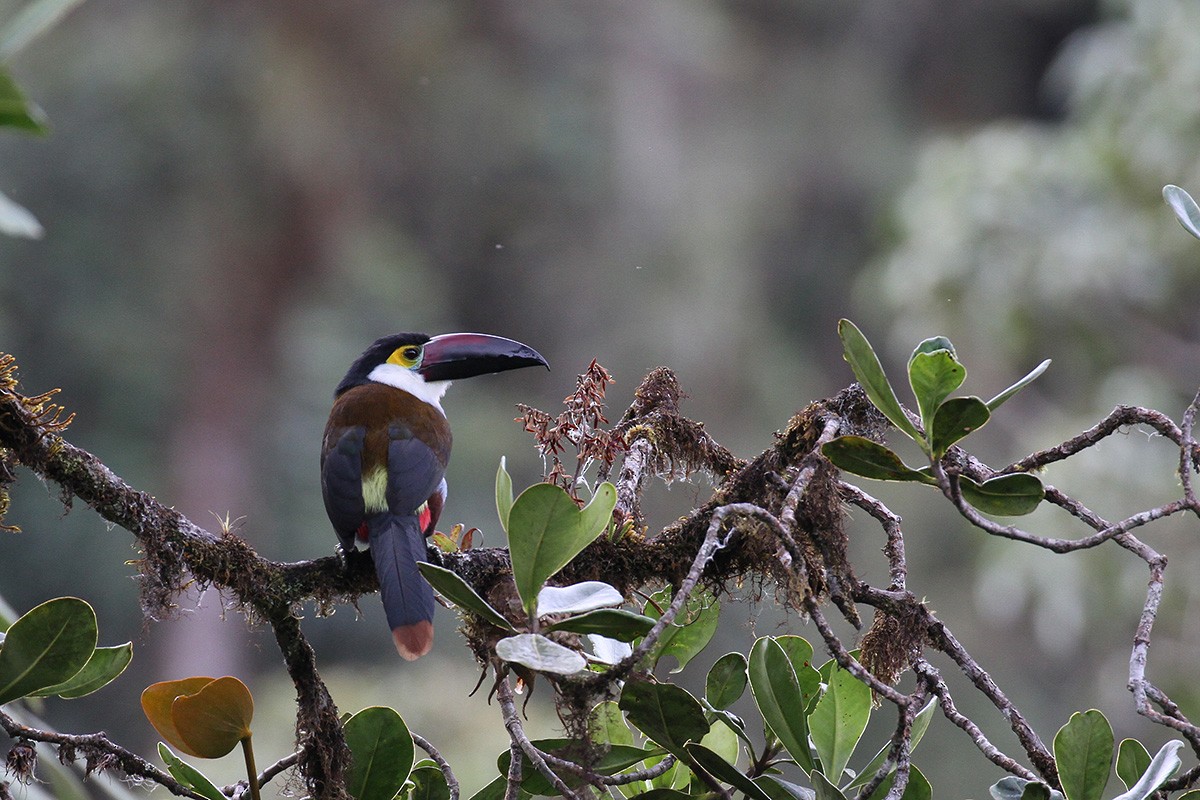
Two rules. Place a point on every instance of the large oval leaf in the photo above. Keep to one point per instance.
(546, 530)
(1010, 495)
(48, 645)
(666, 713)
(381, 750)
(612, 623)
(577, 598)
(954, 419)
(537, 652)
(838, 721)
(777, 693)
(1083, 752)
(429, 783)
(870, 459)
(800, 653)
(933, 375)
(105, 665)
(1132, 761)
(726, 680)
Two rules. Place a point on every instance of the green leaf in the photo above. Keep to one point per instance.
(1011, 495)
(1132, 761)
(381, 750)
(546, 530)
(459, 592)
(615, 623)
(954, 419)
(933, 375)
(105, 665)
(494, 790)
(999, 399)
(1083, 751)
(30, 22)
(823, 788)
(919, 726)
(48, 645)
(663, 794)
(800, 653)
(726, 681)
(577, 598)
(1036, 791)
(15, 110)
(692, 630)
(839, 720)
(1185, 208)
(188, 775)
(777, 694)
(870, 459)
(716, 766)
(504, 494)
(917, 788)
(539, 653)
(869, 373)
(779, 789)
(932, 345)
(17, 221)
(1162, 767)
(665, 713)
(429, 783)
(618, 757)
(606, 724)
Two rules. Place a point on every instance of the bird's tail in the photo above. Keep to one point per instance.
(396, 545)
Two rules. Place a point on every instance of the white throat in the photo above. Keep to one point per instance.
(411, 382)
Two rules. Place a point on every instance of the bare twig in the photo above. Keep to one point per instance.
(98, 749)
(443, 764)
(516, 732)
(992, 753)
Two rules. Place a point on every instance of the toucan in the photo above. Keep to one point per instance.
(384, 456)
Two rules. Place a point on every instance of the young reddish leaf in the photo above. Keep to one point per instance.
(156, 704)
(213, 720)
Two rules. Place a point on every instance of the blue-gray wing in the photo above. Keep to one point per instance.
(341, 484)
(414, 473)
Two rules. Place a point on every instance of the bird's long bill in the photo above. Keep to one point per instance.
(452, 356)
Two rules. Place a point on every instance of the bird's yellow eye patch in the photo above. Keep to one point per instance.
(408, 356)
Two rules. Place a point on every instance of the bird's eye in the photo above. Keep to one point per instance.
(408, 356)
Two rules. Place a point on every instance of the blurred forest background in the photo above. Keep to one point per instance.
(239, 196)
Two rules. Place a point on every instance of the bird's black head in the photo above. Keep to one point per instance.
(447, 357)
(395, 348)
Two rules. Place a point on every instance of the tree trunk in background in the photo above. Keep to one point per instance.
(215, 464)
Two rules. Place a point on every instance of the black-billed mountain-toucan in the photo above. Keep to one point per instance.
(384, 456)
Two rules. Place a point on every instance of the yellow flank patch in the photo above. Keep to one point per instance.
(374, 490)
